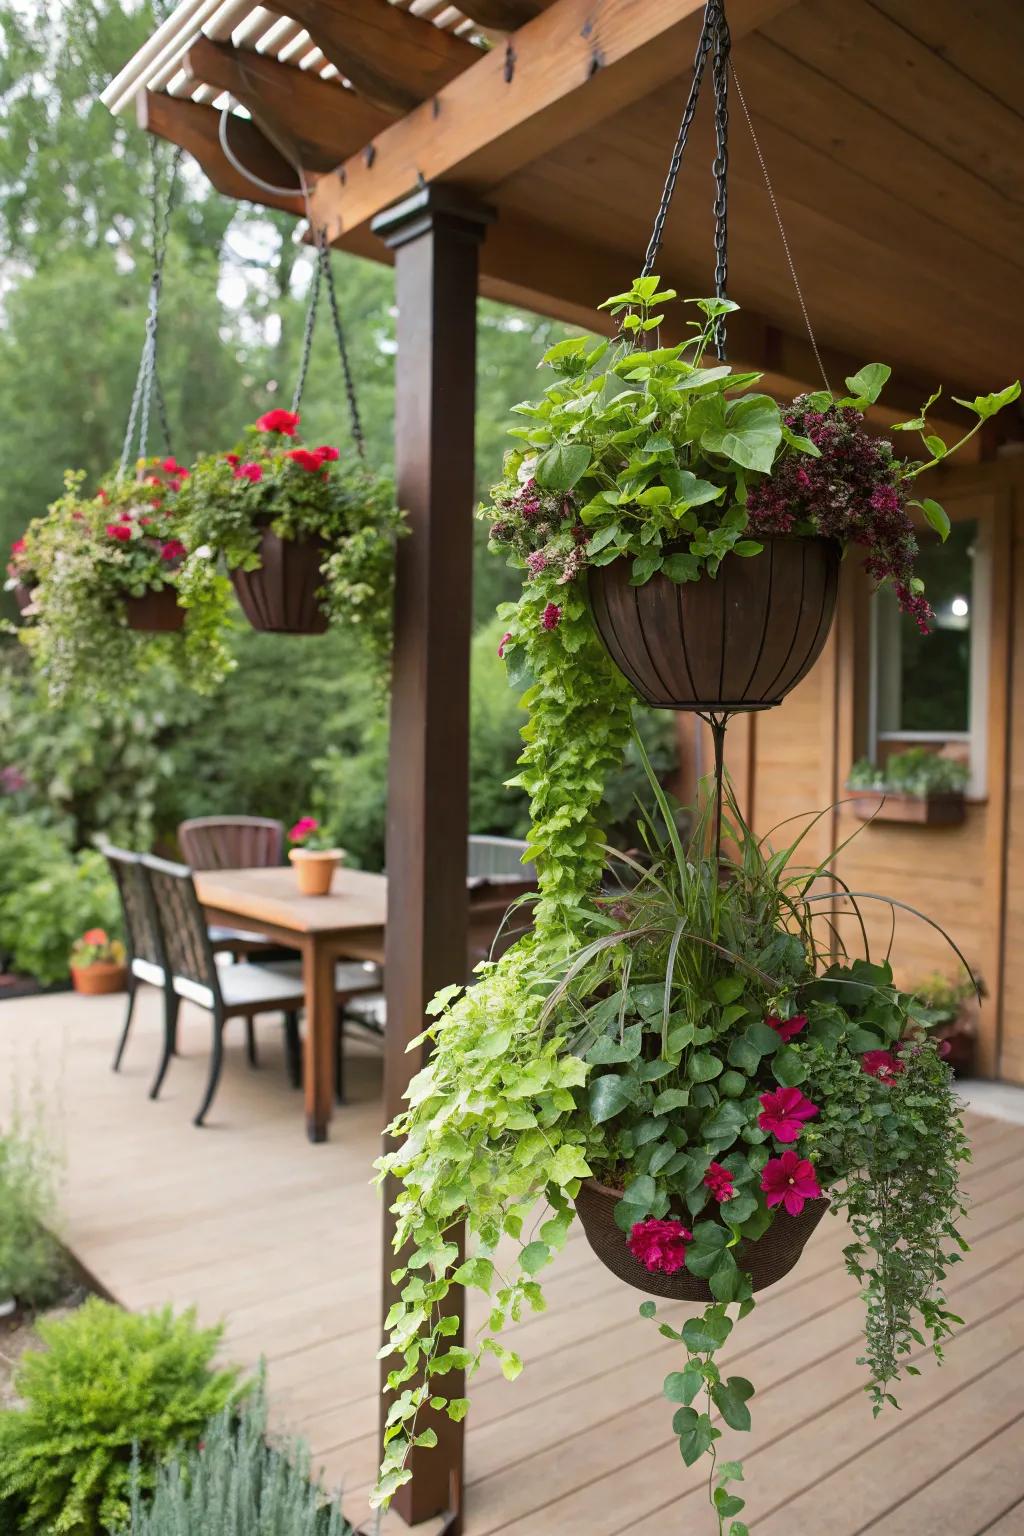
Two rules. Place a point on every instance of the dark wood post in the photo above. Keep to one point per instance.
(435, 237)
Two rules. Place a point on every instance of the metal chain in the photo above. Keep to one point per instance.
(312, 305)
(147, 382)
(657, 233)
(720, 166)
(339, 335)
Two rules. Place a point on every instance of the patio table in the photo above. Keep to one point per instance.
(347, 924)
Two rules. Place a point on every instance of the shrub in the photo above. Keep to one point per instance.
(234, 1484)
(32, 1267)
(48, 897)
(107, 1381)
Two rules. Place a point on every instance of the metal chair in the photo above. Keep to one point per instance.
(231, 842)
(146, 955)
(497, 859)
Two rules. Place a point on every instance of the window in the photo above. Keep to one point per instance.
(932, 688)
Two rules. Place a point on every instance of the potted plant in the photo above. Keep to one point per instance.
(915, 786)
(97, 963)
(707, 521)
(116, 582)
(313, 857)
(948, 1010)
(308, 537)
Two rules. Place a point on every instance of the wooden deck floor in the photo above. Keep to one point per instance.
(251, 1224)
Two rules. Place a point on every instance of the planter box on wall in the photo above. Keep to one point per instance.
(945, 809)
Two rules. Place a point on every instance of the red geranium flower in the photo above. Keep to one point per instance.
(303, 829)
(172, 550)
(233, 459)
(305, 458)
(284, 422)
(783, 1113)
(552, 616)
(881, 1064)
(787, 1028)
(789, 1181)
(95, 936)
(172, 467)
(660, 1246)
(251, 472)
(120, 531)
(719, 1181)
(327, 454)
(17, 546)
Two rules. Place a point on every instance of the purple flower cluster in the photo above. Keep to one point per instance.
(853, 493)
(541, 529)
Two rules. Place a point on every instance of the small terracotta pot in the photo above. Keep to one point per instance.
(102, 976)
(314, 869)
(157, 612)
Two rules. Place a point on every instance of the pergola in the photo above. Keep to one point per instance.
(518, 151)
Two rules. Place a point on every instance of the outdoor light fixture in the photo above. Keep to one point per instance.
(959, 607)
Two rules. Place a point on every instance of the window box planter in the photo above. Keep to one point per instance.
(740, 640)
(280, 595)
(937, 808)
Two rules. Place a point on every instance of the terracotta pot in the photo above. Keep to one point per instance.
(736, 641)
(280, 596)
(314, 869)
(766, 1260)
(101, 976)
(940, 809)
(155, 612)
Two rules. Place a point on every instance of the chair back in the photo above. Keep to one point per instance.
(498, 858)
(183, 924)
(231, 842)
(143, 937)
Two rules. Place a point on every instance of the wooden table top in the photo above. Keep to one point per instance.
(357, 900)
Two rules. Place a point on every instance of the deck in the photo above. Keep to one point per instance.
(279, 1239)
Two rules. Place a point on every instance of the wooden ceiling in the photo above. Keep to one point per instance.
(893, 131)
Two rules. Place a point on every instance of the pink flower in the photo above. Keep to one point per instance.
(789, 1181)
(233, 459)
(719, 1181)
(536, 560)
(302, 829)
(284, 422)
(17, 546)
(783, 1113)
(506, 637)
(119, 531)
(172, 550)
(881, 1064)
(326, 454)
(172, 467)
(305, 459)
(552, 616)
(787, 1028)
(253, 472)
(660, 1246)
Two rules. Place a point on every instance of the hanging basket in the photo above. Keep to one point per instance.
(280, 596)
(766, 1260)
(24, 597)
(155, 612)
(736, 641)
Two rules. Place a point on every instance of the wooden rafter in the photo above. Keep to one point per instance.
(314, 123)
(565, 71)
(196, 129)
(393, 59)
(503, 15)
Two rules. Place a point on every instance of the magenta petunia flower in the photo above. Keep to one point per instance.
(552, 616)
(790, 1181)
(120, 531)
(660, 1246)
(787, 1028)
(251, 472)
(719, 1181)
(881, 1064)
(281, 421)
(784, 1112)
(172, 550)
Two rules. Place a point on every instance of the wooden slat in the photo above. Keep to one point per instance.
(392, 58)
(196, 129)
(314, 123)
(983, 39)
(503, 15)
(571, 70)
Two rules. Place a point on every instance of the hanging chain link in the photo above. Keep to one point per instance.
(147, 379)
(323, 276)
(657, 233)
(312, 304)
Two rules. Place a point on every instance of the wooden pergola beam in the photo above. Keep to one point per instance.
(503, 15)
(313, 122)
(568, 69)
(393, 59)
(196, 129)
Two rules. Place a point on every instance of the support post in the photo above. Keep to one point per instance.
(435, 237)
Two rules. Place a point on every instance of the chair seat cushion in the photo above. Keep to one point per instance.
(371, 1011)
(280, 983)
(228, 938)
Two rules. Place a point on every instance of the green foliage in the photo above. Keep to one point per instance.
(236, 1484)
(106, 1381)
(48, 897)
(917, 771)
(32, 1267)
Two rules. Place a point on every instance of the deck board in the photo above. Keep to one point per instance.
(280, 1240)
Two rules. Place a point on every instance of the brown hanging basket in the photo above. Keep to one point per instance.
(736, 641)
(765, 1260)
(280, 596)
(24, 596)
(155, 612)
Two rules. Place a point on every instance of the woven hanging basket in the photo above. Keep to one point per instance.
(765, 1260)
(23, 596)
(280, 596)
(736, 641)
(155, 612)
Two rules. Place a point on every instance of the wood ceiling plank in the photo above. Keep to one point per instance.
(571, 68)
(314, 123)
(907, 83)
(503, 15)
(196, 129)
(982, 39)
(392, 58)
